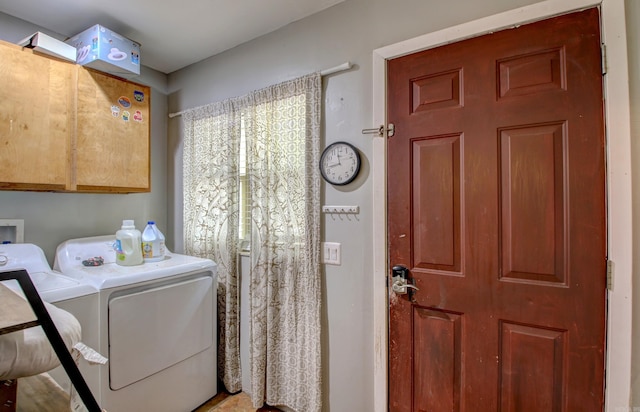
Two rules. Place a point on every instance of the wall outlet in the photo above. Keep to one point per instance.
(331, 253)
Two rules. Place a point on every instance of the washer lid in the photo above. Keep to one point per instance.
(51, 286)
(27, 256)
(54, 287)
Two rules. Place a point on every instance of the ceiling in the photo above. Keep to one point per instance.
(172, 34)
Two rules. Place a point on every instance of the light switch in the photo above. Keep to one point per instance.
(331, 253)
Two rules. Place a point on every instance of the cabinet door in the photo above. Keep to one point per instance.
(36, 118)
(112, 143)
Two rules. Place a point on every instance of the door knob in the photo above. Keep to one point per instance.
(400, 281)
(400, 286)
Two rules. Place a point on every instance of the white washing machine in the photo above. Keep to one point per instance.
(75, 296)
(157, 325)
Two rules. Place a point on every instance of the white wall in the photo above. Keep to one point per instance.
(51, 218)
(347, 32)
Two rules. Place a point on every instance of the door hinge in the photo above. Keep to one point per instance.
(603, 55)
(609, 274)
(391, 129)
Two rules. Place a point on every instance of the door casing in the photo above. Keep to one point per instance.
(619, 188)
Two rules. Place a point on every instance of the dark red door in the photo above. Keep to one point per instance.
(496, 199)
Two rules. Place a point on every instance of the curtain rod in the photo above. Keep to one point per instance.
(325, 72)
(340, 68)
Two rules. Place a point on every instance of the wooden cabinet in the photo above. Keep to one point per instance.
(112, 143)
(36, 119)
(67, 128)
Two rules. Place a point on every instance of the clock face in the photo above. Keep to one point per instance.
(340, 163)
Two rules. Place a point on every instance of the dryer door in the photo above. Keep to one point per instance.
(153, 329)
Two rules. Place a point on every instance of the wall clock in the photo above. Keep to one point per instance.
(340, 163)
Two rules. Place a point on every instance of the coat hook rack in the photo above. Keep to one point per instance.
(341, 209)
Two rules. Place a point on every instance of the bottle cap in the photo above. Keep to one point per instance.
(151, 222)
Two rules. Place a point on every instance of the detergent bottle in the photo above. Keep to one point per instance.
(128, 241)
(152, 243)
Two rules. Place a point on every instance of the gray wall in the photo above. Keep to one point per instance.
(346, 32)
(50, 218)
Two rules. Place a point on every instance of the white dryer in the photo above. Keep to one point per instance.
(157, 324)
(75, 296)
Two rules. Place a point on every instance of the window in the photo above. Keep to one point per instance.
(244, 225)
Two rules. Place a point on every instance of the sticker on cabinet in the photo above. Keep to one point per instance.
(124, 101)
(138, 95)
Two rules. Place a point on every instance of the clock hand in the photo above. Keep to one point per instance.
(335, 164)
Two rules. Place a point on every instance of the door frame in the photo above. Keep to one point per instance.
(618, 180)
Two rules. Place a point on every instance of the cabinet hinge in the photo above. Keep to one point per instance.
(603, 56)
(609, 274)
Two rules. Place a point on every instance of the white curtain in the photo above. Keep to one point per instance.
(283, 145)
(282, 129)
(210, 179)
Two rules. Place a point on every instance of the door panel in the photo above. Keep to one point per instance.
(528, 377)
(496, 205)
(436, 186)
(532, 173)
(438, 359)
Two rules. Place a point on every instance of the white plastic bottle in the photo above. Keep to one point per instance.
(152, 243)
(128, 240)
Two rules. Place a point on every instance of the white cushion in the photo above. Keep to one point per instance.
(28, 352)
